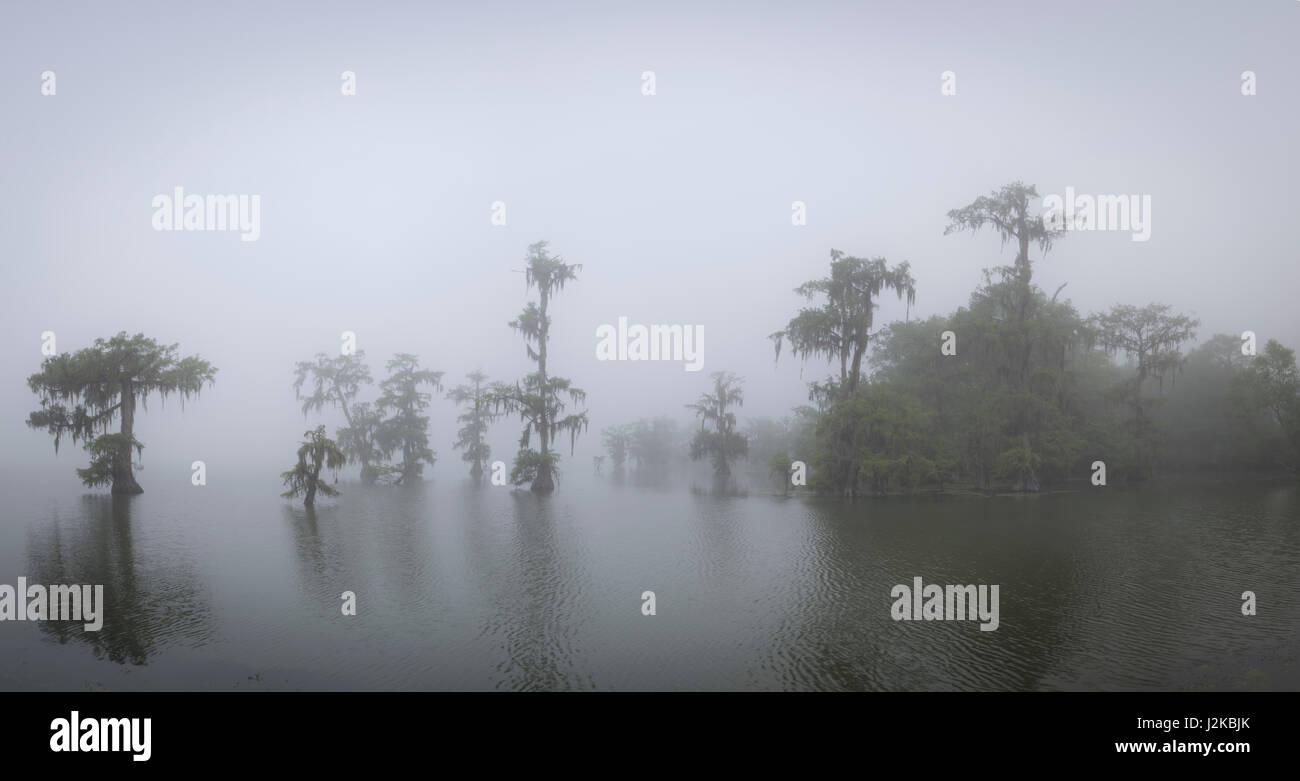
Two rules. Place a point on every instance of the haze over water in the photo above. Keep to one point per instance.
(227, 587)
(377, 219)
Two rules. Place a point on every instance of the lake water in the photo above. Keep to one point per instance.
(227, 586)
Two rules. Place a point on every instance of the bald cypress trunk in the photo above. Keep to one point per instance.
(858, 350)
(123, 475)
(1026, 481)
(310, 499)
(544, 482)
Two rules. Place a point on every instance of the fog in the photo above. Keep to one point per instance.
(376, 208)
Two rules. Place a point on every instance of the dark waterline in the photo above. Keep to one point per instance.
(227, 586)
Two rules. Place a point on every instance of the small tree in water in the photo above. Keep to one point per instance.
(723, 443)
(82, 393)
(779, 466)
(541, 407)
(335, 382)
(617, 440)
(318, 451)
(537, 399)
(476, 418)
(406, 430)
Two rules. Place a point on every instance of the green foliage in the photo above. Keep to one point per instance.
(1007, 212)
(778, 467)
(541, 406)
(617, 440)
(654, 443)
(839, 329)
(317, 452)
(1017, 461)
(1208, 427)
(780, 463)
(861, 439)
(537, 399)
(529, 464)
(405, 429)
(360, 439)
(1267, 397)
(1273, 384)
(104, 453)
(335, 381)
(791, 434)
(83, 393)
(1151, 337)
(906, 472)
(476, 397)
(723, 444)
(722, 447)
(1005, 407)
(1034, 393)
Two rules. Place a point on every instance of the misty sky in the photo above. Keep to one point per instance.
(375, 209)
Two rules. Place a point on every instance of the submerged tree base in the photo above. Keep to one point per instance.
(126, 487)
(537, 469)
(544, 480)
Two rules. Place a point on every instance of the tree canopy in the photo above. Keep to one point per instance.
(83, 393)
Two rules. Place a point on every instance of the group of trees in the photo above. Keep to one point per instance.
(82, 394)
(395, 423)
(393, 426)
(1034, 395)
(1015, 390)
(649, 444)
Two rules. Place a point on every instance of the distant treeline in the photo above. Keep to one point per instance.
(1017, 390)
